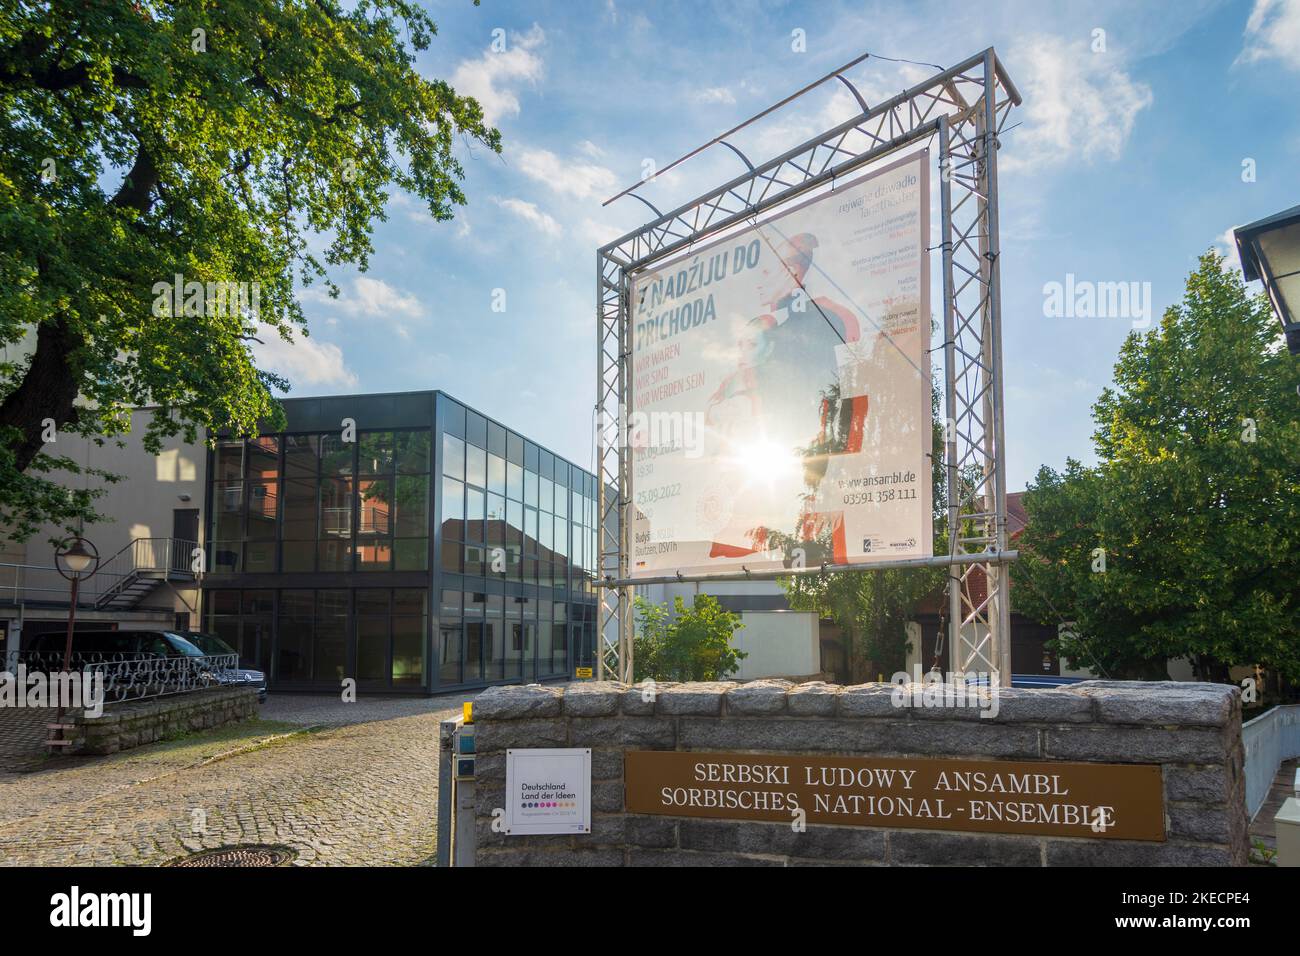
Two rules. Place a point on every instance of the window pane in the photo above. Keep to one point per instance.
(514, 481)
(410, 601)
(375, 453)
(299, 555)
(475, 465)
(412, 507)
(374, 554)
(530, 531)
(452, 552)
(264, 457)
(412, 452)
(223, 602)
(329, 648)
(299, 509)
(300, 456)
(453, 457)
(373, 600)
(335, 555)
(453, 509)
(474, 508)
(530, 488)
(230, 460)
(259, 556)
(335, 508)
(495, 529)
(335, 455)
(372, 647)
(411, 554)
(496, 475)
(263, 509)
(561, 536)
(560, 658)
(545, 494)
(449, 649)
(374, 506)
(228, 502)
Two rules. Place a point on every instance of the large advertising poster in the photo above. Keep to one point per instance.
(781, 388)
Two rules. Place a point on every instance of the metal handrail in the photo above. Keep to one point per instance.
(129, 676)
(143, 678)
(32, 582)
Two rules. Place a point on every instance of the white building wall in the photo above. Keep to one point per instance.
(778, 644)
(141, 505)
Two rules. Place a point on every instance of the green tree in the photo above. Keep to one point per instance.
(1194, 504)
(690, 643)
(221, 142)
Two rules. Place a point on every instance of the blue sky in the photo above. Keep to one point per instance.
(1126, 166)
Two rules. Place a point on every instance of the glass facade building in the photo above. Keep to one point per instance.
(402, 540)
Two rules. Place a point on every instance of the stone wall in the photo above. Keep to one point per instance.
(1192, 731)
(123, 726)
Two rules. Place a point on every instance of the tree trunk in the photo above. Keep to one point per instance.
(48, 390)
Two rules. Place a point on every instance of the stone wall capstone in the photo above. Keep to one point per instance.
(1191, 731)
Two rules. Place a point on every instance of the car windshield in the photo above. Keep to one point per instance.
(185, 648)
(209, 643)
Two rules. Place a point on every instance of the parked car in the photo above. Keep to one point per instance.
(211, 644)
(91, 646)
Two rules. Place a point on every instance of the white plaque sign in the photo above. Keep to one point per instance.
(548, 790)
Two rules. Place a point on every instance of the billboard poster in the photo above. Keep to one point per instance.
(781, 409)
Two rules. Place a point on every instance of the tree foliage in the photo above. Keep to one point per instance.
(690, 643)
(246, 141)
(1194, 503)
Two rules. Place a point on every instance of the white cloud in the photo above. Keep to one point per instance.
(1078, 104)
(598, 233)
(530, 213)
(491, 79)
(568, 177)
(716, 94)
(304, 361)
(369, 299)
(1273, 33)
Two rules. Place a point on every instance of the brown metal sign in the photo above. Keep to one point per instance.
(1095, 800)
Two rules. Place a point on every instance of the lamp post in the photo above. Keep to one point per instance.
(76, 560)
(1270, 252)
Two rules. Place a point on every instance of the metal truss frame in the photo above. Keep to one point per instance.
(965, 107)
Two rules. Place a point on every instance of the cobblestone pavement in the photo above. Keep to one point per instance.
(348, 784)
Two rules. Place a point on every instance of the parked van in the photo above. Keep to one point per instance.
(116, 645)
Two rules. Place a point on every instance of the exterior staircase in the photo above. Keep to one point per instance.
(132, 574)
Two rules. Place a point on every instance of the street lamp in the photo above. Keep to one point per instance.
(1270, 251)
(76, 560)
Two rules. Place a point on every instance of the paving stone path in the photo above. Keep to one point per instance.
(351, 784)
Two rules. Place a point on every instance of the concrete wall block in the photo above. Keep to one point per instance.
(592, 699)
(759, 697)
(630, 733)
(1135, 745)
(813, 699)
(517, 702)
(1132, 854)
(942, 848)
(788, 735)
(700, 698)
(498, 735)
(1209, 785)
